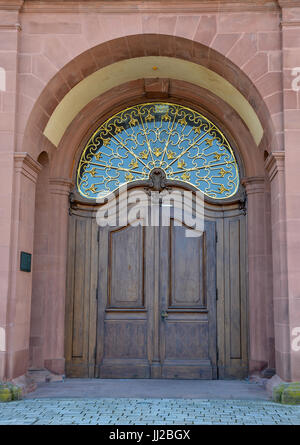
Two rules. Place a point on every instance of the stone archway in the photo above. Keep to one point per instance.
(63, 159)
(255, 201)
(81, 332)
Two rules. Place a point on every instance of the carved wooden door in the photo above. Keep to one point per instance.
(143, 273)
(156, 303)
(125, 288)
(187, 303)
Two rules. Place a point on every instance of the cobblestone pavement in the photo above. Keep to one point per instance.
(124, 411)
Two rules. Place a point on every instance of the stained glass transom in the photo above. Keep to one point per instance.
(181, 141)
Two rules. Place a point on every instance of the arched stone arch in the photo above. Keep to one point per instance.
(35, 116)
(63, 159)
(66, 155)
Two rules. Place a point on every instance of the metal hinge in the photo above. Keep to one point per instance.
(72, 203)
(243, 204)
(217, 294)
(71, 198)
(217, 354)
(97, 293)
(216, 236)
(98, 236)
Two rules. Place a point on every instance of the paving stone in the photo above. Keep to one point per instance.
(59, 411)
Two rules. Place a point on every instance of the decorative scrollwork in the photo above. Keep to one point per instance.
(183, 143)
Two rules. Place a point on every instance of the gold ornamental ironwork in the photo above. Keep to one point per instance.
(182, 142)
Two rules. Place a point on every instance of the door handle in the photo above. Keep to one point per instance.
(164, 315)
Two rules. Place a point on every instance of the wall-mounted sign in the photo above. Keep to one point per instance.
(25, 262)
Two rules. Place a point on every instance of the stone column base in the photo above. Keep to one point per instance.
(55, 365)
(44, 375)
(26, 383)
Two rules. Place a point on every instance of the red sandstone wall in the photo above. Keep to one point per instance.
(48, 38)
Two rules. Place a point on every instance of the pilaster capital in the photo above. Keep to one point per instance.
(9, 15)
(11, 5)
(275, 164)
(60, 186)
(254, 184)
(290, 13)
(289, 3)
(27, 166)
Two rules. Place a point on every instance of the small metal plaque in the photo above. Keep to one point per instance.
(25, 262)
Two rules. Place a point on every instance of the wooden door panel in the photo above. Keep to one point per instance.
(126, 267)
(126, 258)
(81, 297)
(125, 339)
(186, 339)
(236, 348)
(79, 322)
(188, 298)
(125, 349)
(187, 265)
(234, 287)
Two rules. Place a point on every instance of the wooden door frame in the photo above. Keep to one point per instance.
(232, 210)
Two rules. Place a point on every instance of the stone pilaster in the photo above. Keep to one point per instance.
(275, 167)
(291, 104)
(58, 235)
(22, 235)
(9, 28)
(258, 273)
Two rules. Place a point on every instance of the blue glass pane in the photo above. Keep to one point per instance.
(185, 144)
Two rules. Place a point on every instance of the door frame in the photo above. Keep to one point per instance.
(226, 215)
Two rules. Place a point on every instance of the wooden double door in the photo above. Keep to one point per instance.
(142, 302)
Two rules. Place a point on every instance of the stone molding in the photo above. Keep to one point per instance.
(60, 186)
(254, 184)
(14, 26)
(275, 163)
(285, 4)
(27, 166)
(150, 6)
(156, 88)
(9, 13)
(11, 5)
(291, 23)
(289, 3)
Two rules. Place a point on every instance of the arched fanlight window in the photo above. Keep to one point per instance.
(180, 141)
